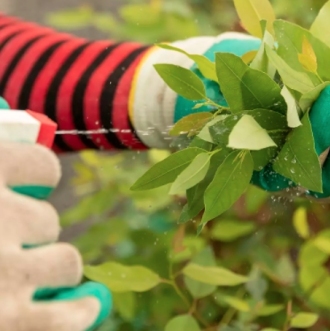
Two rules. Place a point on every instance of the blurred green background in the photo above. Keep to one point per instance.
(280, 242)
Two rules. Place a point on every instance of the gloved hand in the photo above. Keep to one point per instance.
(173, 107)
(319, 116)
(37, 280)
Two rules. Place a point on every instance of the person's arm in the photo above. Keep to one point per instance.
(91, 85)
(81, 85)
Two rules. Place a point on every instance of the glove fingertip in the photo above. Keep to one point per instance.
(102, 293)
(4, 104)
(89, 289)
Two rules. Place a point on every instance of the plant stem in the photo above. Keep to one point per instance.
(180, 293)
(166, 281)
(286, 325)
(215, 151)
(211, 102)
(319, 77)
(193, 311)
(193, 305)
(177, 290)
(227, 317)
(172, 282)
(230, 313)
(219, 111)
(211, 328)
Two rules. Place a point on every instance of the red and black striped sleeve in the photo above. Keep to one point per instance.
(82, 85)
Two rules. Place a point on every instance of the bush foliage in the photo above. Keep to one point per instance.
(260, 261)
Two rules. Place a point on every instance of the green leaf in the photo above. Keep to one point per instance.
(322, 24)
(298, 160)
(190, 123)
(231, 328)
(275, 124)
(213, 275)
(206, 67)
(237, 303)
(251, 12)
(292, 109)
(270, 329)
(104, 22)
(205, 132)
(285, 269)
(195, 194)
(158, 155)
(71, 19)
(249, 57)
(192, 175)
(257, 285)
(197, 289)
(245, 88)
(308, 57)
(230, 70)
(304, 320)
(140, 14)
(230, 230)
(255, 198)
(182, 323)
(313, 275)
(323, 244)
(91, 205)
(193, 245)
(230, 182)
(248, 134)
(262, 158)
(120, 278)
(166, 171)
(306, 101)
(269, 310)
(125, 304)
(261, 61)
(300, 222)
(181, 142)
(220, 130)
(290, 37)
(295, 80)
(182, 81)
(314, 253)
(200, 143)
(185, 215)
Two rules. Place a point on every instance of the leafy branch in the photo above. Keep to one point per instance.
(266, 119)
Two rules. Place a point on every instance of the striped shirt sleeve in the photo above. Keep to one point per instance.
(81, 85)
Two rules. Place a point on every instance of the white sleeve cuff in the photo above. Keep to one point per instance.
(153, 101)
